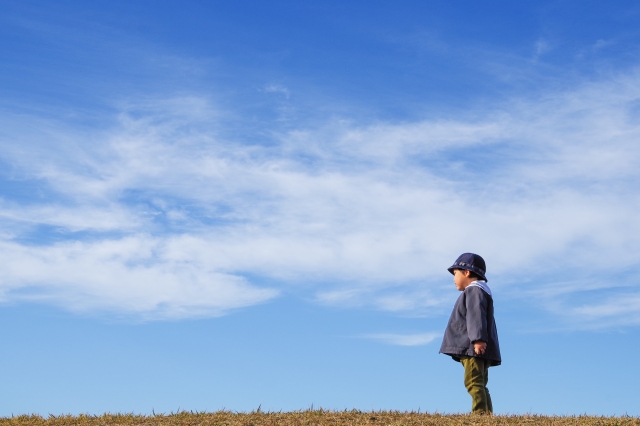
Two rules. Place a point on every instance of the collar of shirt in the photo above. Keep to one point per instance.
(483, 285)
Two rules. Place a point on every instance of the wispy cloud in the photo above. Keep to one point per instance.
(276, 88)
(540, 47)
(618, 309)
(600, 44)
(373, 212)
(404, 339)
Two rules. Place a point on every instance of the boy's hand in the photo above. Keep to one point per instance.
(480, 347)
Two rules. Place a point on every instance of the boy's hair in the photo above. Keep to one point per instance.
(474, 275)
(471, 274)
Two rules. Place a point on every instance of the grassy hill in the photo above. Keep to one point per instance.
(311, 418)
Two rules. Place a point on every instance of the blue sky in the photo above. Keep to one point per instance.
(209, 205)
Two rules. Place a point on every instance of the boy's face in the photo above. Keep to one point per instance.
(462, 278)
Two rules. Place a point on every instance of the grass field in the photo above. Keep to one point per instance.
(312, 417)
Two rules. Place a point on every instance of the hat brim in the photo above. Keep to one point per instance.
(473, 269)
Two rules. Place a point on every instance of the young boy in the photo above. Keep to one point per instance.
(471, 336)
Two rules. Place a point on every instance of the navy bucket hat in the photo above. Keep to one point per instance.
(471, 262)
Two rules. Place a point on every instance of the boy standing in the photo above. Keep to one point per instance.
(471, 336)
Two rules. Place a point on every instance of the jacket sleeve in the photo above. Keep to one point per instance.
(476, 303)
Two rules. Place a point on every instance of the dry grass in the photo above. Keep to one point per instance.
(311, 418)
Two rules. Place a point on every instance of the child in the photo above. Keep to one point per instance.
(471, 336)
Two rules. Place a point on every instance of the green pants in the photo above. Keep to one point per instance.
(476, 376)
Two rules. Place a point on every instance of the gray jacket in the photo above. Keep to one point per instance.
(472, 321)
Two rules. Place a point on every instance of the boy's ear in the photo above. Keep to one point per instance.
(467, 273)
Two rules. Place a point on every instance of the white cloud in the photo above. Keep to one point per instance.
(72, 218)
(377, 211)
(136, 274)
(404, 339)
